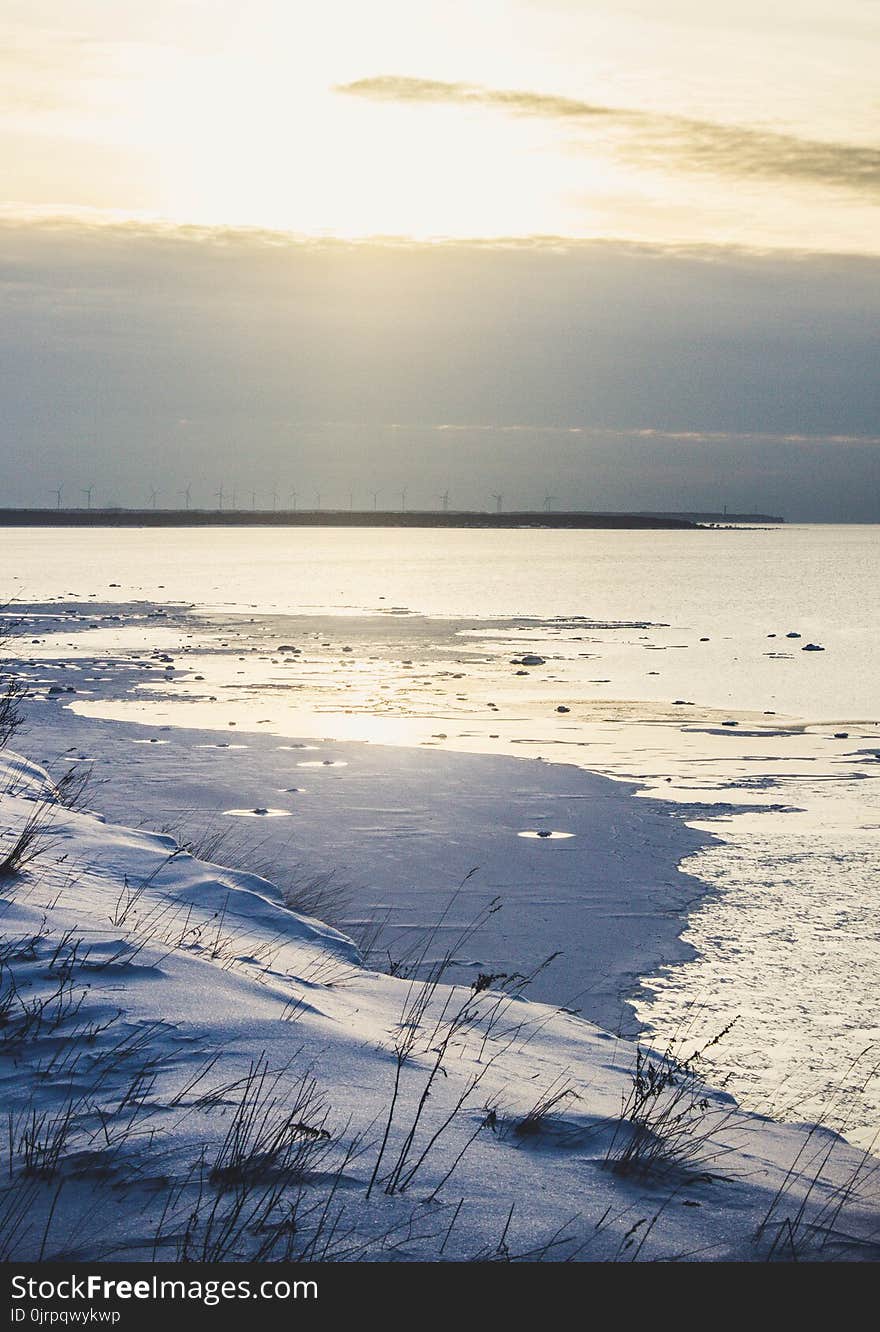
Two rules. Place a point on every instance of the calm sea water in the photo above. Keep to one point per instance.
(653, 640)
(818, 580)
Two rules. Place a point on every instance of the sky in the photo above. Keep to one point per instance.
(614, 253)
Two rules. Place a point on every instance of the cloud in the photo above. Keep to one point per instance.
(655, 139)
(640, 433)
(394, 88)
(621, 376)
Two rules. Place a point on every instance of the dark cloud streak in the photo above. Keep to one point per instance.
(654, 139)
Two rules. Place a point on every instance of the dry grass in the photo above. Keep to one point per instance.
(669, 1123)
(12, 695)
(322, 896)
(20, 849)
(272, 1135)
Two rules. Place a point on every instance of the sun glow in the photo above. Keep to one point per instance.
(241, 121)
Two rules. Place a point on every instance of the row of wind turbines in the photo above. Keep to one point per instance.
(229, 500)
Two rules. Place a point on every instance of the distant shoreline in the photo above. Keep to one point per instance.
(360, 518)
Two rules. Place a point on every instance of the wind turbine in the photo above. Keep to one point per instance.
(350, 500)
(375, 500)
(219, 494)
(58, 492)
(87, 491)
(549, 501)
(187, 494)
(318, 500)
(253, 499)
(403, 500)
(498, 499)
(234, 497)
(291, 499)
(154, 495)
(274, 500)
(444, 500)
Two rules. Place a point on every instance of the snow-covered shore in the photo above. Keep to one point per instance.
(192, 1070)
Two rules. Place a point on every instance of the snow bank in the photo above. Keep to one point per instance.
(191, 1070)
